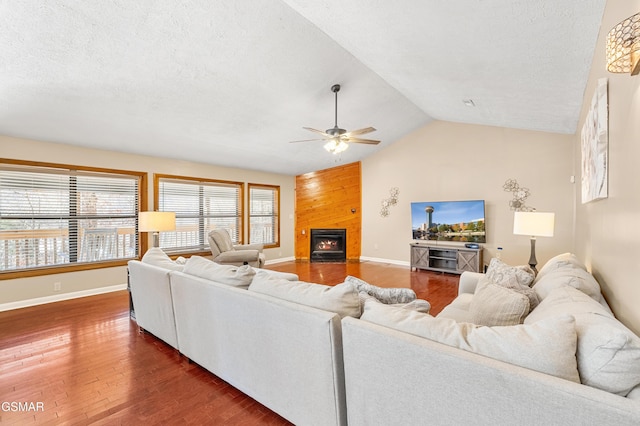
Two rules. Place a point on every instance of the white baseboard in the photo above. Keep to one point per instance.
(282, 259)
(380, 260)
(60, 297)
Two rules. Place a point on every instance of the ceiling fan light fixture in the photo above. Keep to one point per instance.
(336, 146)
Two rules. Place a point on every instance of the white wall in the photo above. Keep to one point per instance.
(21, 289)
(607, 237)
(448, 161)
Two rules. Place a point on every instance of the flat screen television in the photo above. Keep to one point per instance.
(461, 221)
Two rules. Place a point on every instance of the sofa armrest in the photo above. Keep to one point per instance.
(243, 247)
(468, 282)
(238, 256)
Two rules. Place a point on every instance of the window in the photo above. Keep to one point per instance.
(201, 205)
(56, 216)
(264, 215)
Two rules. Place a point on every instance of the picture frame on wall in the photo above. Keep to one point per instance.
(595, 146)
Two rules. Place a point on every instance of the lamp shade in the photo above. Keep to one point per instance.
(535, 224)
(156, 221)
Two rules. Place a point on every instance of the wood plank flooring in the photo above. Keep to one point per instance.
(83, 361)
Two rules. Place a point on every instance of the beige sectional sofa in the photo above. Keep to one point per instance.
(310, 353)
(566, 361)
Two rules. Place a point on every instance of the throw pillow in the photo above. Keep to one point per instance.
(417, 305)
(546, 346)
(493, 305)
(156, 257)
(503, 274)
(341, 299)
(517, 278)
(608, 353)
(236, 276)
(384, 295)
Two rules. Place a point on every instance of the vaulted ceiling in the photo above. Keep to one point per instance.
(232, 82)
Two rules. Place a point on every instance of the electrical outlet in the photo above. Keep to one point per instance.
(57, 286)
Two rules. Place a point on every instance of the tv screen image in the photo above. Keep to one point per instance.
(461, 221)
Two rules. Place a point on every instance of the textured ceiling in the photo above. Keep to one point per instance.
(232, 82)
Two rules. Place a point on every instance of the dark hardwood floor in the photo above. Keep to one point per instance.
(83, 361)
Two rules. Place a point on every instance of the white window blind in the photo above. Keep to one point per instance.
(200, 206)
(264, 218)
(57, 216)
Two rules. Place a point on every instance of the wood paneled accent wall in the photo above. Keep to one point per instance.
(325, 199)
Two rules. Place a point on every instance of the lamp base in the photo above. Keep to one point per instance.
(532, 259)
(156, 239)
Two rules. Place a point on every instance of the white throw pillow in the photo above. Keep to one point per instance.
(608, 353)
(236, 276)
(156, 257)
(341, 299)
(546, 346)
(493, 305)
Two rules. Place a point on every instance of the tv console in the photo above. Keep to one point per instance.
(443, 258)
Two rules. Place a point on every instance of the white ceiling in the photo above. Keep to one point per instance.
(232, 82)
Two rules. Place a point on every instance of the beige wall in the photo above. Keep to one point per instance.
(29, 288)
(607, 237)
(447, 161)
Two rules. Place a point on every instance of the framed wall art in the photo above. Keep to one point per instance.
(595, 146)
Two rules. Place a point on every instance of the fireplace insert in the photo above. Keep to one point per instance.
(328, 245)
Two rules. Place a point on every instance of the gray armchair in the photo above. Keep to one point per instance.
(226, 253)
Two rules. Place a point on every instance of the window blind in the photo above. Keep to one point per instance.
(264, 218)
(53, 216)
(200, 206)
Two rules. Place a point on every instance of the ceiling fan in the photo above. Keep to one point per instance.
(339, 139)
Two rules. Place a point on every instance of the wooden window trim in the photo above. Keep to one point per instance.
(261, 185)
(156, 193)
(49, 270)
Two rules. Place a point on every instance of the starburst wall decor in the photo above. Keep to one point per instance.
(520, 195)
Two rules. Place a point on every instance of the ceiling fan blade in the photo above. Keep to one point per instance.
(367, 141)
(317, 131)
(360, 131)
(308, 140)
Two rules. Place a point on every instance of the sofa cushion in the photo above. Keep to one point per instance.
(546, 346)
(509, 276)
(156, 257)
(558, 262)
(493, 305)
(236, 276)
(277, 274)
(341, 299)
(458, 310)
(608, 353)
(383, 294)
(567, 275)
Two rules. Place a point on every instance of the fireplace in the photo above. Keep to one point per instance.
(328, 245)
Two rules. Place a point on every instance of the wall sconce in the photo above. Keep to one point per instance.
(623, 46)
(156, 222)
(388, 202)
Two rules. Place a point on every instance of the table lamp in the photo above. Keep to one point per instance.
(534, 224)
(156, 222)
